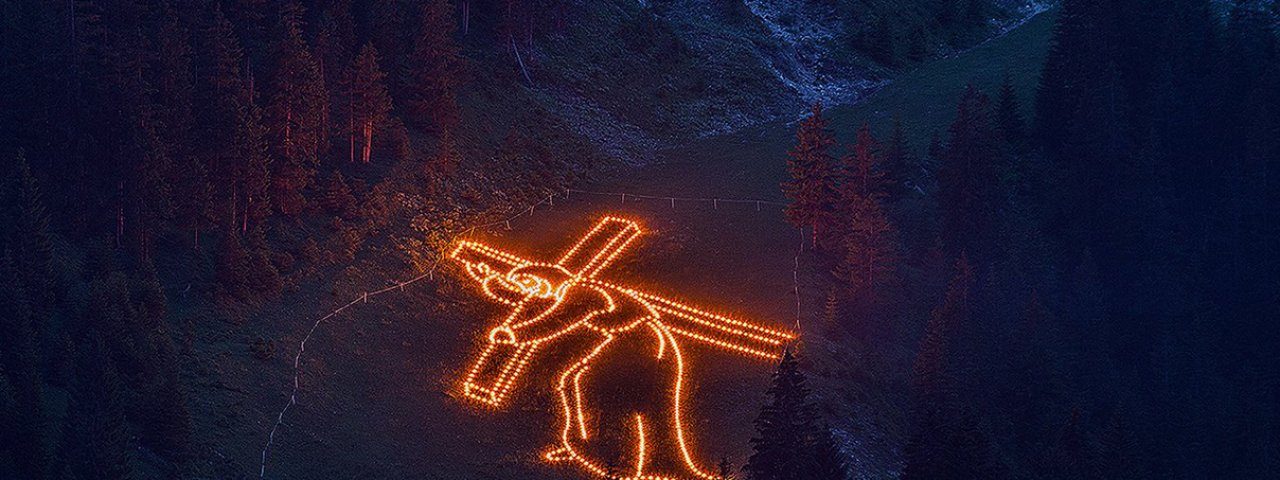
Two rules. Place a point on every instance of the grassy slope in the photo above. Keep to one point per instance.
(376, 391)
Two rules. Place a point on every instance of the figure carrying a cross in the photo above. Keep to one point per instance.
(637, 432)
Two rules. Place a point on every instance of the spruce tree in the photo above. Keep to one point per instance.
(785, 427)
(95, 438)
(829, 460)
(19, 366)
(789, 443)
(898, 164)
(164, 422)
(337, 199)
(813, 188)
(1009, 115)
(870, 251)
(946, 440)
(235, 148)
(1118, 455)
(263, 277)
(368, 106)
(863, 176)
(25, 234)
(175, 85)
(295, 113)
(434, 70)
(970, 180)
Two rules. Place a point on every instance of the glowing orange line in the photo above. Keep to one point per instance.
(640, 457)
(577, 393)
(664, 318)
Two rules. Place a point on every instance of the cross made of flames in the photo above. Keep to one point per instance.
(550, 300)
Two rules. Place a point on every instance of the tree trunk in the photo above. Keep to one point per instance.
(351, 128)
(368, 140)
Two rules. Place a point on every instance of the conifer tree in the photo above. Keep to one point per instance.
(1009, 115)
(19, 366)
(946, 440)
(829, 460)
(932, 373)
(296, 113)
(175, 86)
(813, 188)
(236, 150)
(95, 438)
(870, 250)
(970, 180)
(368, 104)
(232, 267)
(898, 163)
(785, 427)
(337, 198)
(789, 442)
(149, 192)
(26, 235)
(863, 177)
(434, 70)
(724, 470)
(163, 418)
(1118, 456)
(263, 277)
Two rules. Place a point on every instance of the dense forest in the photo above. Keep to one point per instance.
(1112, 257)
(1096, 264)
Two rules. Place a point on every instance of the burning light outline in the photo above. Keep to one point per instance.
(753, 340)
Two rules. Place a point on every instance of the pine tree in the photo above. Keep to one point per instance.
(296, 113)
(263, 278)
(24, 232)
(788, 442)
(434, 70)
(332, 45)
(970, 179)
(368, 103)
(813, 186)
(162, 416)
(1118, 458)
(932, 375)
(1009, 115)
(175, 85)
(95, 439)
(870, 251)
(19, 366)
(829, 460)
(337, 198)
(236, 150)
(150, 199)
(951, 447)
(784, 428)
(863, 177)
(898, 164)
(232, 272)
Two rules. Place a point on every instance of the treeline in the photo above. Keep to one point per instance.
(1112, 260)
(900, 33)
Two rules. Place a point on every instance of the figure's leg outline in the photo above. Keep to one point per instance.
(572, 408)
(675, 406)
(640, 443)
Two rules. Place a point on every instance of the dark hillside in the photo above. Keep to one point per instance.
(968, 239)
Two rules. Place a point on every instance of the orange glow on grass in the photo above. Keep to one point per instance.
(550, 300)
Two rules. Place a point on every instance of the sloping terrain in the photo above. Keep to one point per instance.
(378, 396)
